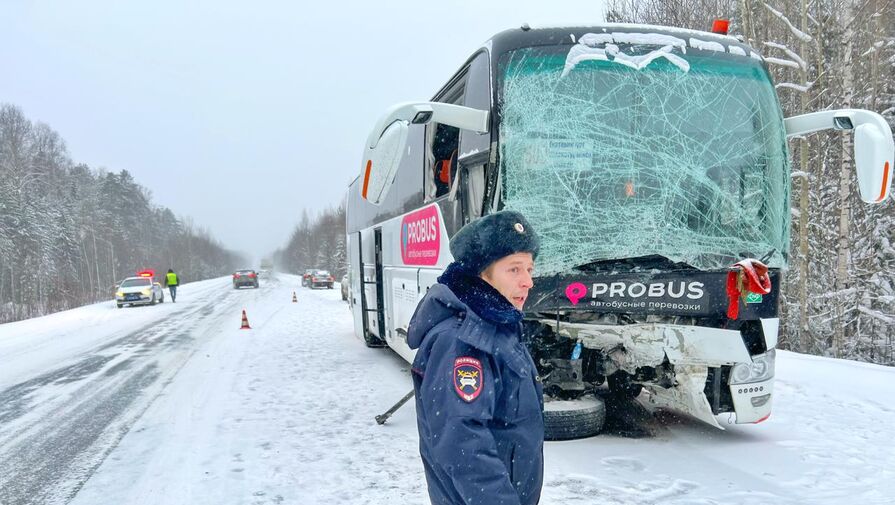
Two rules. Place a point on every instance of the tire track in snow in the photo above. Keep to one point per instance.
(42, 465)
(69, 419)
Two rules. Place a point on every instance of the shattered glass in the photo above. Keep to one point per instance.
(663, 152)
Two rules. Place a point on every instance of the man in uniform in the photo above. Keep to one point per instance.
(171, 280)
(478, 399)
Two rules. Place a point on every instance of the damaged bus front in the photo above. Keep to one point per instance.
(653, 163)
(649, 164)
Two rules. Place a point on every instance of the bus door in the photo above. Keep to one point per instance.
(355, 280)
(475, 148)
(380, 306)
(370, 299)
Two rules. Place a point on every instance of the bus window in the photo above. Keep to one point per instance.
(442, 142)
(444, 152)
(475, 191)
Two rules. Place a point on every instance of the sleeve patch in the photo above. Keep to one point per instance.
(468, 378)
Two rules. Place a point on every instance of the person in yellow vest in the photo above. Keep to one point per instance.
(172, 281)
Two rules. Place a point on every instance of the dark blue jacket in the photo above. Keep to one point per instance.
(478, 401)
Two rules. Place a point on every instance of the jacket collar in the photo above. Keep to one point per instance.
(480, 296)
(441, 303)
(482, 309)
(438, 304)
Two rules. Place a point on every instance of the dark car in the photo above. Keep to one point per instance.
(306, 278)
(245, 278)
(322, 279)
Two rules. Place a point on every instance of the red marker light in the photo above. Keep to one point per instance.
(146, 273)
(367, 178)
(882, 191)
(720, 26)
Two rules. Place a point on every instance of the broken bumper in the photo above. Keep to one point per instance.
(752, 402)
(692, 350)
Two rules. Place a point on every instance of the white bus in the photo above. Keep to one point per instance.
(649, 160)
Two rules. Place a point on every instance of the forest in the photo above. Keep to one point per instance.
(69, 232)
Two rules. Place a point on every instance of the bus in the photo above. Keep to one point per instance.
(653, 164)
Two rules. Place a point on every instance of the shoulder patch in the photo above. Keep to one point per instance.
(468, 378)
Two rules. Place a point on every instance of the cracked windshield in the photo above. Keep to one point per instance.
(630, 152)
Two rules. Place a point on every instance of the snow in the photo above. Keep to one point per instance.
(587, 49)
(38, 344)
(799, 34)
(653, 39)
(797, 87)
(792, 54)
(877, 315)
(706, 45)
(567, 405)
(782, 62)
(682, 32)
(598, 46)
(283, 413)
(595, 39)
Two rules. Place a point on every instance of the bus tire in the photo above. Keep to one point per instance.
(574, 419)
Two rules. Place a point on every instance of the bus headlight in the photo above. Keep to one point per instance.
(761, 369)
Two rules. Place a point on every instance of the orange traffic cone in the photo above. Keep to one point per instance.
(245, 321)
(294, 298)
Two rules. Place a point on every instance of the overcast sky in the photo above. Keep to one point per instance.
(240, 114)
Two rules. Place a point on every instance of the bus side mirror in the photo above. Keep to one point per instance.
(873, 161)
(874, 148)
(388, 140)
(382, 162)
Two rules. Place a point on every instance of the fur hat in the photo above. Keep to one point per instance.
(490, 238)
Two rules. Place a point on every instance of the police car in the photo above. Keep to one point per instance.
(139, 290)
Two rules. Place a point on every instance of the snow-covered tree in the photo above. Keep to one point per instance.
(838, 292)
(68, 233)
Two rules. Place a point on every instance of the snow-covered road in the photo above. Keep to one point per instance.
(174, 404)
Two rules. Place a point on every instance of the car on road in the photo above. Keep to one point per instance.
(344, 285)
(321, 279)
(141, 290)
(306, 278)
(245, 278)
